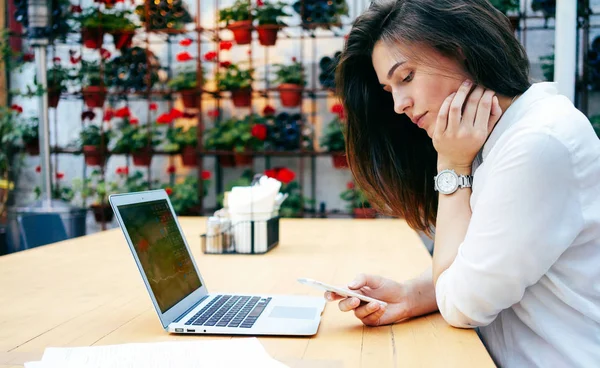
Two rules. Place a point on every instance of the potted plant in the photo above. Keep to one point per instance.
(358, 203)
(138, 141)
(186, 82)
(510, 8)
(238, 82)
(29, 132)
(291, 80)
(165, 15)
(185, 142)
(93, 81)
(294, 205)
(184, 194)
(98, 189)
(94, 142)
(333, 140)
(57, 77)
(238, 136)
(92, 27)
(238, 19)
(134, 70)
(118, 24)
(9, 141)
(269, 24)
(321, 14)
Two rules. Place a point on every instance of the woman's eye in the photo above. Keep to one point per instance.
(409, 77)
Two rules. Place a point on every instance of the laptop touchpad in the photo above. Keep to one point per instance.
(293, 312)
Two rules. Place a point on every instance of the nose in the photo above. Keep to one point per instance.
(401, 103)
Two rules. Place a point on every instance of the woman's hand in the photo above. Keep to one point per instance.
(459, 135)
(374, 314)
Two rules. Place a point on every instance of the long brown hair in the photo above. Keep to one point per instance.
(392, 159)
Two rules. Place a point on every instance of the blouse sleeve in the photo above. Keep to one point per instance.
(525, 217)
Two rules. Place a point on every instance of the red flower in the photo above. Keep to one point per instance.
(122, 170)
(16, 108)
(28, 57)
(169, 190)
(176, 114)
(38, 169)
(56, 59)
(210, 56)
(76, 9)
(225, 64)
(165, 118)
(350, 185)
(123, 112)
(184, 56)
(339, 110)
(346, 37)
(259, 131)
(205, 175)
(59, 175)
(153, 106)
(185, 42)
(134, 121)
(268, 110)
(271, 173)
(214, 113)
(171, 169)
(260, 2)
(104, 53)
(88, 115)
(285, 175)
(108, 115)
(73, 58)
(225, 45)
(294, 59)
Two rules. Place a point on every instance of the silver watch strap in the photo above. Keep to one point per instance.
(465, 181)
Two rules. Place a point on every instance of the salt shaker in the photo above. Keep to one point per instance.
(213, 235)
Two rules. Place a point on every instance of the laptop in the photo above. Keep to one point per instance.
(178, 290)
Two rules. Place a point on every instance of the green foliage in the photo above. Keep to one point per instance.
(547, 62)
(184, 195)
(29, 130)
(179, 138)
(355, 198)
(95, 187)
(134, 138)
(165, 14)
(269, 13)
(239, 11)
(595, 120)
(183, 81)
(10, 136)
(293, 73)
(234, 135)
(295, 202)
(12, 60)
(91, 73)
(333, 136)
(58, 77)
(235, 78)
(506, 6)
(92, 135)
(63, 192)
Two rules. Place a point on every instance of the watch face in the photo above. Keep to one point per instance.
(447, 182)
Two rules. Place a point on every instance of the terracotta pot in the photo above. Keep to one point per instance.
(339, 161)
(290, 94)
(53, 97)
(94, 96)
(242, 160)
(102, 212)
(514, 22)
(190, 98)
(33, 148)
(242, 31)
(227, 161)
(92, 37)
(267, 34)
(143, 157)
(241, 97)
(364, 213)
(188, 156)
(94, 156)
(123, 39)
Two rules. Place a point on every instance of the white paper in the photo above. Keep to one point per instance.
(247, 352)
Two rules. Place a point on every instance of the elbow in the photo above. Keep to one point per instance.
(458, 312)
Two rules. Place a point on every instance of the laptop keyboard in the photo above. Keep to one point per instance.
(230, 311)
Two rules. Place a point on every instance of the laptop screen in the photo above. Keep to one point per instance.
(161, 251)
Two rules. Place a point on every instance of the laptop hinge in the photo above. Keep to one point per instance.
(190, 309)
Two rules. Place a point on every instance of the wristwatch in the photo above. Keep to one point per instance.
(448, 182)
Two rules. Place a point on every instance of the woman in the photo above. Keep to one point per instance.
(440, 89)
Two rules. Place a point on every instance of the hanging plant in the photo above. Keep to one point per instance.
(327, 75)
(171, 15)
(268, 15)
(129, 71)
(291, 80)
(321, 14)
(237, 19)
(238, 81)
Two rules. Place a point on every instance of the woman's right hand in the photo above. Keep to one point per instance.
(374, 314)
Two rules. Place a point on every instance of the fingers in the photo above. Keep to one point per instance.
(374, 319)
(455, 114)
(496, 114)
(349, 304)
(442, 119)
(484, 110)
(332, 296)
(471, 107)
(365, 310)
(362, 280)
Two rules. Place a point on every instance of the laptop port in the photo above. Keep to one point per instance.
(189, 330)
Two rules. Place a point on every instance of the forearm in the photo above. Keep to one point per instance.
(453, 217)
(421, 295)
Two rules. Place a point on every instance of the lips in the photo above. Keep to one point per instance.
(418, 119)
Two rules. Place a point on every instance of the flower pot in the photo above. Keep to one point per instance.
(364, 213)
(143, 157)
(188, 156)
(94, 156)
(33, 148)
(102, 212)
(53, 97)
(242, 160)
(92, 37)
(123, 39)
(241, 97)
(227, 161)
(514, 21)
(290, 94)
(190, 98)
(94, 96)
(339, 161)
(242, 31)
(267, 34)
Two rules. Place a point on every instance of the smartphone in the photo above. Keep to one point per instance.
(340, 291)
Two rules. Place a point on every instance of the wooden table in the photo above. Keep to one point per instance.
(88, 291)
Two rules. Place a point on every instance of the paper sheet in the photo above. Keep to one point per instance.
(246, 352)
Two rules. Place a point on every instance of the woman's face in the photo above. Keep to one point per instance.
(418, 89)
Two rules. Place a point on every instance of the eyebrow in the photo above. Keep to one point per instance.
(392, 70)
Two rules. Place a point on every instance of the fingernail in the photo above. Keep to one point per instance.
(353, 284)
(467, 83)
(496, 100)
(328, 297)
(373, 307)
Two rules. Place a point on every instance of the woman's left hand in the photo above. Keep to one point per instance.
(459, 135)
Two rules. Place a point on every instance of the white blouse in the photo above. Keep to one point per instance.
(528, 270)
